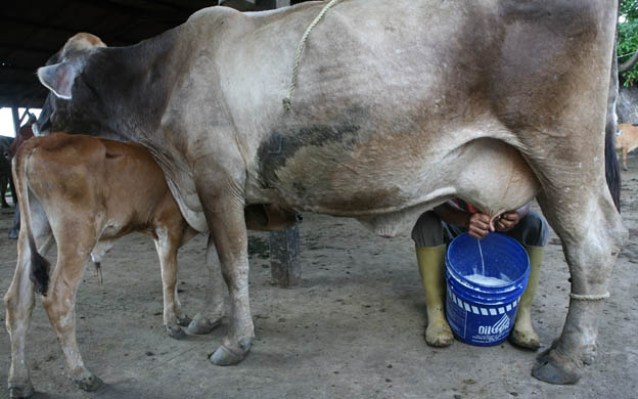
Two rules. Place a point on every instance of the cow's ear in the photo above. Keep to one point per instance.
(59, 78)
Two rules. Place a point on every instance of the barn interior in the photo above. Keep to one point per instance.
(35, 30)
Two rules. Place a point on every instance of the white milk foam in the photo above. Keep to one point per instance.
(487, 281)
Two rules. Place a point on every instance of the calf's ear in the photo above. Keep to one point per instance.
(59, 78)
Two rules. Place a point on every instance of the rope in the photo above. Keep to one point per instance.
(590, 298)
(300, 48)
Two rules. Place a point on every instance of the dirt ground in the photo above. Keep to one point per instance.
(351, 329)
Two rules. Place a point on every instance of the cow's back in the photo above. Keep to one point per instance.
(503, 70)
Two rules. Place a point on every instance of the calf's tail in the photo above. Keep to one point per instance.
(39, 265)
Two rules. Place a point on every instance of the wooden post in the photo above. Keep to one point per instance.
(285, 267)
(16, 120)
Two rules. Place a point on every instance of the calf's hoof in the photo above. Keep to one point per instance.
(184, 321)
(89, 383)
(175, 332)
(16, 391)
(555, 368)
(225, 356)
(202, 325)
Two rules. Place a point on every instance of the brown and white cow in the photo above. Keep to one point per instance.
(382, 116)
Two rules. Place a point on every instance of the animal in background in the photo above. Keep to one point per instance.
(626, 141)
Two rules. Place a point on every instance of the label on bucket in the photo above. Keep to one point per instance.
(479, 324)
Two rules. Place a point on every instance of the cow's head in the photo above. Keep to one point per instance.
(63, 68)
(72, 105)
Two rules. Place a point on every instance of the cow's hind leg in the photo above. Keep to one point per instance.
(19, 302)
(592, 233)
(60, 305)
(211, 316)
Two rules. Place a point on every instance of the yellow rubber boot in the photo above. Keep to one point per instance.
(431, 262)
(523, 334)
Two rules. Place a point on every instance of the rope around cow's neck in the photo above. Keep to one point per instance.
(300, 48)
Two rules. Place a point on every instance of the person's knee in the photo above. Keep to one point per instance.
(428, 231)
(533, 230)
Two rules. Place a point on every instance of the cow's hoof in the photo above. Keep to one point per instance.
(13, 234)
(202, 325)
(175, 332)
(90, 383)
(25, 391)
(223, 356)
(553, 368)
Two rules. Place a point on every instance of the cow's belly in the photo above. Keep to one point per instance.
(388, 186)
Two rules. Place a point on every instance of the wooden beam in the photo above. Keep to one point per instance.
(285, 266)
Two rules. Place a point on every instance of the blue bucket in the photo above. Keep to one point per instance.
(485, 280)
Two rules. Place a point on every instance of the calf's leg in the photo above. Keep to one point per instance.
(60, 306)
(167, 244)
(211, 316)
(19, 302)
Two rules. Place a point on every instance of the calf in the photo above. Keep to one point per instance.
(626, 141)
(86, 192)
(82, 191)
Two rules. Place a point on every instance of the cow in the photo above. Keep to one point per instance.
(626, 141)
(5, 171)
(360, 112)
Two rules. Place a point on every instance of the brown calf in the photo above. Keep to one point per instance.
(87, 192)
(626, 141)
(82, 191)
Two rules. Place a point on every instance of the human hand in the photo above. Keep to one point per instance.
(478, 225)
(507, 221)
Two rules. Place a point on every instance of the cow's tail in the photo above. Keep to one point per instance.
(39, 265)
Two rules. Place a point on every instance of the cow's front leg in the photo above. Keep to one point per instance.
(211, 316)
(225, 216)
(60, 307)
(591, 247)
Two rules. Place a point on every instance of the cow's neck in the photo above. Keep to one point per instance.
(132, 103)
